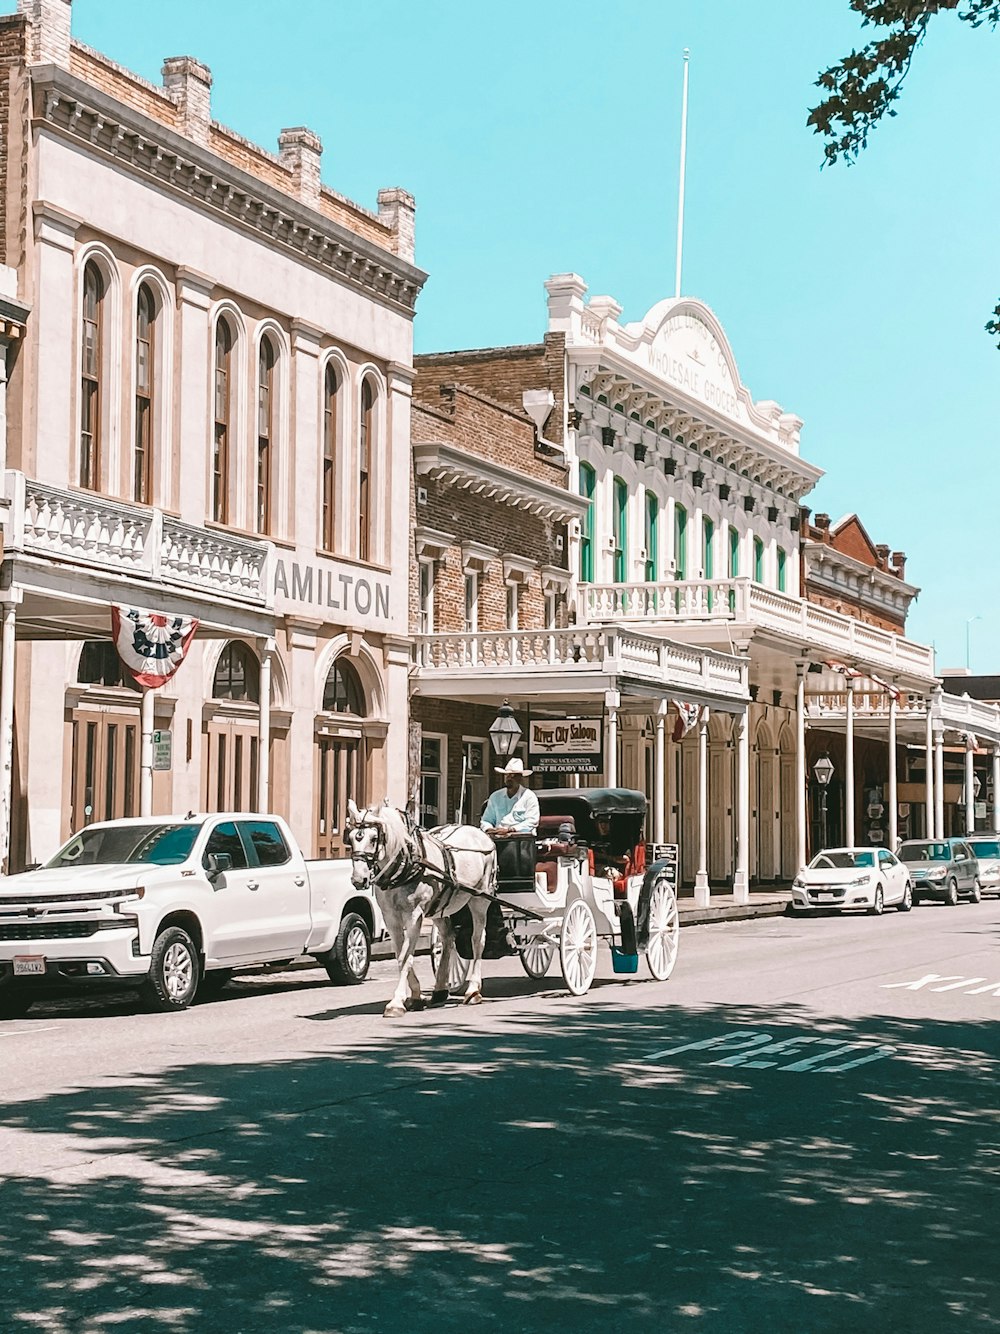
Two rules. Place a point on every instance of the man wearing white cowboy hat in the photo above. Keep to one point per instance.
(513, 808)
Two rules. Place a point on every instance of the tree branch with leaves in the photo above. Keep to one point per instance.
(864, 86)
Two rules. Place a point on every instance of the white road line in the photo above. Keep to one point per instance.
(23, 1032)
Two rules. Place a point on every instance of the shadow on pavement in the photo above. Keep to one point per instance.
(544, 1174)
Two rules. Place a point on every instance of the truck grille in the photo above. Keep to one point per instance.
(47, 930)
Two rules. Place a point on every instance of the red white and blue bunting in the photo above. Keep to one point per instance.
(688, 716)
(152, 646)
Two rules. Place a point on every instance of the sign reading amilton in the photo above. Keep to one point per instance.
(323, 586)
(566, 745)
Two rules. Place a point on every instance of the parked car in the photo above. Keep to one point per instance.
(942, 868)
(986, 851)
(868, 878)
(172, 906)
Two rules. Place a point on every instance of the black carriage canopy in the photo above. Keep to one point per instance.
(583, 805)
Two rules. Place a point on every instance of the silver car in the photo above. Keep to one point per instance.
(941, 868)
(986, 849)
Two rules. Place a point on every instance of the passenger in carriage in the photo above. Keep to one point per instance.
(513, 808)
(605, 858)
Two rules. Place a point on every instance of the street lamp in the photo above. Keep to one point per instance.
(823, 772)
(504, 731)
(968, 641)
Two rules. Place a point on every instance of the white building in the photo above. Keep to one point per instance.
(208, 415)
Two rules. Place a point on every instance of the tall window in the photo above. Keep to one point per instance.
(680, 541)
(734, 553)
(90, 378)
(426, 596)
(782, 562)
(237, 676)
(145, 351)
(588, 484)
(343, 692)
(331, 388)
(758, 560)
(471, 602)
(708, 547)
(512, 608)
(265, 433)
(652, 538)
(366, 440)
(621, 531)
(223, 412)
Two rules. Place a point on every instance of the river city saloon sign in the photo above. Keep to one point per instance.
(330, 591)
(566, 745)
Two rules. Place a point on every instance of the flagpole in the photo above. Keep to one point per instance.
(683, 170)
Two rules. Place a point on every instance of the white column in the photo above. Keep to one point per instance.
(701, 889)
(938, 784)
(741, 875)
(970, 790)
(612, 700)
(849, 769)
(996, 789)
(264, 729)
(146, 754)
(893, 798)
(660, 775)
(800, 763)
(6, 725)
(929, 772)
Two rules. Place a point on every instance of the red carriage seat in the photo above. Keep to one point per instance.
(551, 843)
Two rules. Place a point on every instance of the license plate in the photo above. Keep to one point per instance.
(29, 965)
(825, 894)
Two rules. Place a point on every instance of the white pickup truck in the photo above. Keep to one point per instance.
(172, 906)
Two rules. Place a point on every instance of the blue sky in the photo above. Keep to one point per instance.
(543, 137)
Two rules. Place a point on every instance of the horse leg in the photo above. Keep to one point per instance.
(404, 929)
(446, 932)
(474, 986)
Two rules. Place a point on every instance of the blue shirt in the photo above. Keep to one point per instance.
(519, 812)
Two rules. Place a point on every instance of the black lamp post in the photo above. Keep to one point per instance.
(823, 771)
(504, 731)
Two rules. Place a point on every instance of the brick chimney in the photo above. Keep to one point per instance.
(823, 524)
(882, 552)
(48, 30)
(899, 563)
(300, 151)
(188, 84)
(397, 209)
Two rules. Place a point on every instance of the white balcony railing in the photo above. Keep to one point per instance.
(112, 537)
(583, 650)
(951, 713)
(741, 601)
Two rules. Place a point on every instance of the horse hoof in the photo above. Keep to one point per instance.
(439, 998)
(414, 1003)
(394, 1012)
(474, 998)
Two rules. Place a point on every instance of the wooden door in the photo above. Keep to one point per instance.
(104, 780)
(340, 779)
(789, 819)
(231, 783)
(766, 821)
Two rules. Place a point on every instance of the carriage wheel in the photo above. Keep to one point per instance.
(664, 929)
(459, 970)
(536, 956)
(578, 947)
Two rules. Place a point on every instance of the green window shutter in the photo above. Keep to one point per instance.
(758, 560)
(588, 483)
(652, 538)
(782, 558)
(734, 553)
(621, 530)
(680, 542)
(708, 543)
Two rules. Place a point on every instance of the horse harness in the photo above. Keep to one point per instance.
(407, 869)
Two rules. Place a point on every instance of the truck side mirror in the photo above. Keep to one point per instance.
(218, 863)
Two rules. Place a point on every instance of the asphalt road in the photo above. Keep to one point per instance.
(798, 1131)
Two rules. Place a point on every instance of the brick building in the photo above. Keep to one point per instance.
(208, 417)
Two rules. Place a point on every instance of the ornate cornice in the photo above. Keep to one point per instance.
(468, 472)
(107, 128)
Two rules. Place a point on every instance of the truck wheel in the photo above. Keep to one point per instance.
(173, 971)
(14, 1005)
(348, 961)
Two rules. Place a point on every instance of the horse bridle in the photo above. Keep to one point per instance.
(402, 859)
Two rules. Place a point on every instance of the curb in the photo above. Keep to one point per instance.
(742, 912)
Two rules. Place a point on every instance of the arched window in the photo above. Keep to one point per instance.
(588, 485)
(652, 538)
(145, 352)
(621, 531)
(366, 442)
(680, 542)
(91, 359)
(782, 565)
(343, 692)
(237, 677)
(100, 665)
(223, 414)
(265, 433)
(758, 560)
(331, 388)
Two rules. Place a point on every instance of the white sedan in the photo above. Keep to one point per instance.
(868, 878)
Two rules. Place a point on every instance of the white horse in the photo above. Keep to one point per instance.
(416, 874)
